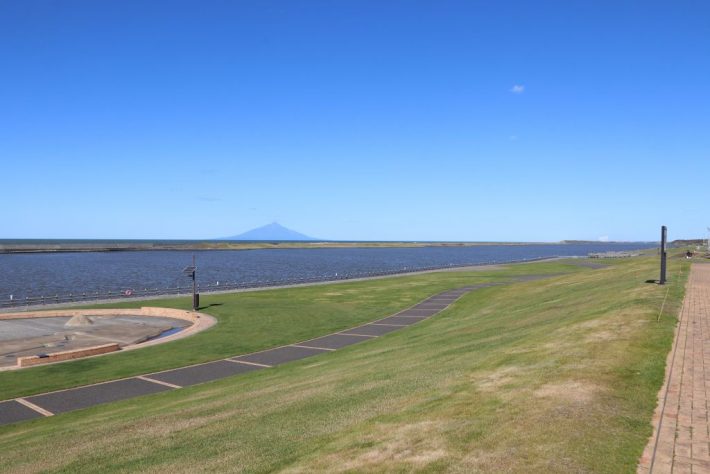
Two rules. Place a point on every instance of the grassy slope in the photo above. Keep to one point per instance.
(547, 376)
(259, 320)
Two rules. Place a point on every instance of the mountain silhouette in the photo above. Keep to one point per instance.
(273, 231)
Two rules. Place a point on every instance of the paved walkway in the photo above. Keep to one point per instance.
(48, 404)
(681, 441)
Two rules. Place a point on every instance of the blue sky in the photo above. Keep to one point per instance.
(534, 121)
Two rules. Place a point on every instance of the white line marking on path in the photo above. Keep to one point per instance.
(312, 347)
(34, 407)
(247, 363)
(159, 382)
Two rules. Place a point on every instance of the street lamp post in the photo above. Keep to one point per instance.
(191, 271)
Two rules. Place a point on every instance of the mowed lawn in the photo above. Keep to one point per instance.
(555, 375)
(252, 321)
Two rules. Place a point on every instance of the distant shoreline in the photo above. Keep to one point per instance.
(13, 247)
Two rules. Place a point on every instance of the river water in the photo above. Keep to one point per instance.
(44, 274)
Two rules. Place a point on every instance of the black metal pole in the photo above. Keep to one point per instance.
(664, 232)
(194, 285)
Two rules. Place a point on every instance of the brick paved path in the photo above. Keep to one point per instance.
(681, 441)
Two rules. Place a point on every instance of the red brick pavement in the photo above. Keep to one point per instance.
(681, 441)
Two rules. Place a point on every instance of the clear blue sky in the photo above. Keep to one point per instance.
(436, 120)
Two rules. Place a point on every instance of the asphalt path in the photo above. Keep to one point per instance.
(49, 404)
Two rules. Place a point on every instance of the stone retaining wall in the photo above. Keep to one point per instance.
(66, 355)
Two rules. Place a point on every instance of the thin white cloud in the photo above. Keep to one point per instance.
(517, 89)
(604, 238)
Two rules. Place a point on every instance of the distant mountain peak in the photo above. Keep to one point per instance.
(271, 232)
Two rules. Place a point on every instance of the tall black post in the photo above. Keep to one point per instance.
(664, 231)
(195, 296)
(191, 271)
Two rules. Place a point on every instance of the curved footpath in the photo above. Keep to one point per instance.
(48, 404)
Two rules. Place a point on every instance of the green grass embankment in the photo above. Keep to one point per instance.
(557, 375)
(252, 321)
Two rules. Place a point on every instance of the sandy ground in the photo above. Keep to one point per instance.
(24, 337)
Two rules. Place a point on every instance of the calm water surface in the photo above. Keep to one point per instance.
(24, 275)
